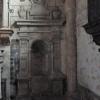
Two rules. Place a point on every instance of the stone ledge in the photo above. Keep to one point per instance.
(37, 23)
(6, 31)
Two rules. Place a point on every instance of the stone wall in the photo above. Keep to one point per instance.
(88, 66)
(88, 57)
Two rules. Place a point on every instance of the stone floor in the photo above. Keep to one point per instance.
(50, 98)
(42, 98)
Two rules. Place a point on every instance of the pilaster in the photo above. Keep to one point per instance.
(71, 46)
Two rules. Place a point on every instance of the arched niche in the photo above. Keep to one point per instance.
(38, 57)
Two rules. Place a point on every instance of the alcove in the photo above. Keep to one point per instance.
(38, 57)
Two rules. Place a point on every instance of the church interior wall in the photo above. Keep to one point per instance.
(22, 10)
(88, 67)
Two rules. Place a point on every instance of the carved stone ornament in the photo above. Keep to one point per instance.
(37, 1)
(22, 12)
(56, 13)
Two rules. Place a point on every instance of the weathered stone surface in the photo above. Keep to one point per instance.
(71, 50)
(87, 51)
(44, 86)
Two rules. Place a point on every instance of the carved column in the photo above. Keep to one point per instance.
(70, 30)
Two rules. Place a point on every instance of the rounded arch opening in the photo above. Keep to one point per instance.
(38, 47)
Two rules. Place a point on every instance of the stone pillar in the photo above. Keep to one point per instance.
(1, 12)
(71, 47)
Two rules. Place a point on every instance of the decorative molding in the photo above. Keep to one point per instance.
(28, 11)
(37, 1)
(6, 31)
(36, 23)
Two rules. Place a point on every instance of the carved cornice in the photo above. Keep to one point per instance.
(6, 31)
(37, 23)
(94, 30)
(4, 36)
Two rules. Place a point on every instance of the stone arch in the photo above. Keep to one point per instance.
(38, 47)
